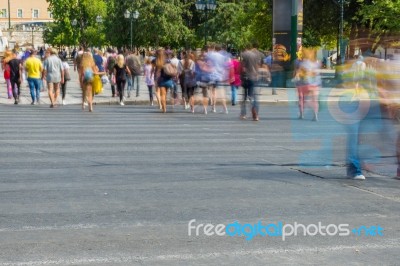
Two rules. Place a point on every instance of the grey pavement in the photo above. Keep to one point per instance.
(120, 185)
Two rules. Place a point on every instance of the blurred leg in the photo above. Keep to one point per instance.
(163, 92)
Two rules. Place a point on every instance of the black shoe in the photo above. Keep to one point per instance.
(51, 105)
(16, 102)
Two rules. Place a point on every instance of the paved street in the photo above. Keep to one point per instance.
(120, 185)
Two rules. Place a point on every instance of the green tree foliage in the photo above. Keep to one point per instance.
(161, 22)
(235, 23)
(239, 23)
(87, 32)
(380, 17)
(321, 23)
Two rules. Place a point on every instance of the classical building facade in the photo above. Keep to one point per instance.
(22, 21)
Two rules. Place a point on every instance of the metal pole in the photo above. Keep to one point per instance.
(32, 38)
(205, 27)
(131, 29)
(341, 32)
(9, 15)
(293, 44)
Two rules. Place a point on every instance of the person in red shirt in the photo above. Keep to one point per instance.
(7, 75)
(234, 77)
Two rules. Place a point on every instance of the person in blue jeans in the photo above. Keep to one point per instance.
(249, 93)
(34, 67)
(354, 169)
(249, 76)
(234, 78)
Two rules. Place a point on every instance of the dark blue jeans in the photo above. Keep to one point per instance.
(249, 92)
(353, 158)
(360, 123)
(16, 88)
(234, 93)
(130, 81)
(34, 86)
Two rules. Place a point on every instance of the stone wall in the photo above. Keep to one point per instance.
(24, 37)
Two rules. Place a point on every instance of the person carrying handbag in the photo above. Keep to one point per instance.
(67, 78)
(165, 72)
(188, 79)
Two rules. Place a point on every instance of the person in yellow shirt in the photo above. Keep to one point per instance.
(34, 68)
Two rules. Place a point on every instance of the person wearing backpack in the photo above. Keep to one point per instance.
(134, 65)
(188, 79)
(110, 69)
(86, 77)
(15, 76)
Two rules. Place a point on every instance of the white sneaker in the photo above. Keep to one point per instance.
(85, 104)
(359, 177)
(213, 110)
(121, 103)
(64, 102)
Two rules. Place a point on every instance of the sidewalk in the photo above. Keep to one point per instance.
(74, 94)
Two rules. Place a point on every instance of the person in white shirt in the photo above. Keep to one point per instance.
(67, 77)
(174, 61)
(149, 76)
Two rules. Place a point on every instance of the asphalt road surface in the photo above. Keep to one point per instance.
(120, 185)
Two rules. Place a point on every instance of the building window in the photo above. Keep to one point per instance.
(19, 13)
(50, 15)
(36, 13)
(3, 13)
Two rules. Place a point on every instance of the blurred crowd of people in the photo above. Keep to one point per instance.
(373, 84)
(169, 74)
